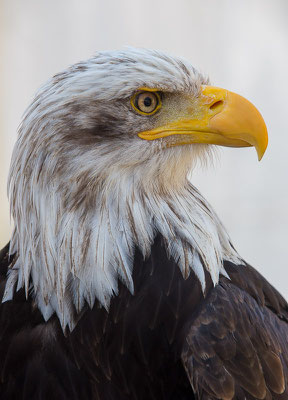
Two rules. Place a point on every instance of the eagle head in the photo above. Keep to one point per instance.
(100, 168)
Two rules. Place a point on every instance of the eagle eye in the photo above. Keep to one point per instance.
(146, 103)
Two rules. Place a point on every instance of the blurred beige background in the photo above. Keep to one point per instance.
(241, 45)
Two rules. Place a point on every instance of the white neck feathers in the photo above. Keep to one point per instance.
(73, 257)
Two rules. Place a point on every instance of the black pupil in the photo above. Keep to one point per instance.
(147, 101)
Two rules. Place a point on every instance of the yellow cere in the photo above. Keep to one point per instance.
(219, 117)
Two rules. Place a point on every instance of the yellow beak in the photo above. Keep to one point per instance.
(217, 117)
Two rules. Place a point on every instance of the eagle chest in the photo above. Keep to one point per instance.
(136, 346)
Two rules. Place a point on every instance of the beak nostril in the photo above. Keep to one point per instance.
(216, 105)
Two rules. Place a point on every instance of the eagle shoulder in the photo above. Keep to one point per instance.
(236, 347)
(33, 360)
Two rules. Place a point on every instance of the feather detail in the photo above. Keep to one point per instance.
(95, 249)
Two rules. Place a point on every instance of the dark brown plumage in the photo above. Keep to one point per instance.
(230, 344)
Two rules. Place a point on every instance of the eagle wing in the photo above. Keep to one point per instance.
(237, 346)
(33, 361)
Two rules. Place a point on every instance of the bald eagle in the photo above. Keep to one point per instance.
(120, 282)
